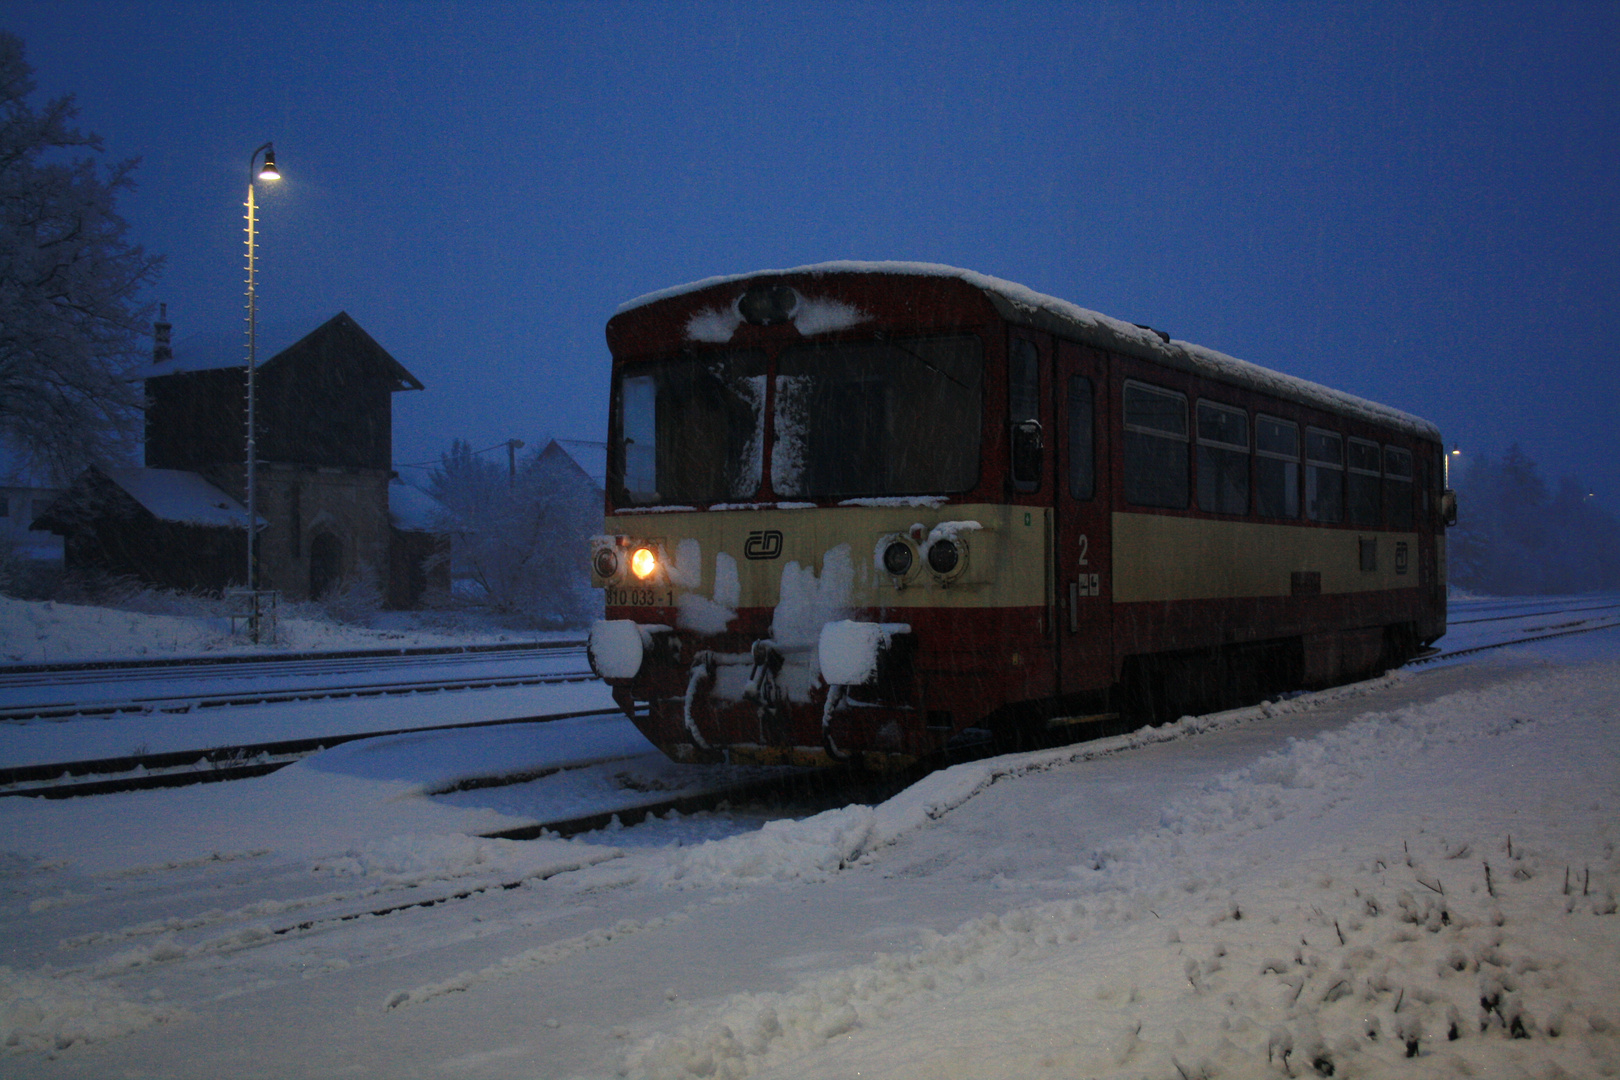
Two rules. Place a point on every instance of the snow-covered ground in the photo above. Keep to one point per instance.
(49, 632)
(1412, 877)
(236, 725)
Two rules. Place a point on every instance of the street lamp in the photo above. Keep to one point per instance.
(267, 171)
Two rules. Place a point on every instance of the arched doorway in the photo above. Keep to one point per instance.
(325, 564)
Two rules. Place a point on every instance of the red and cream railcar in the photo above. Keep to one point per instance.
(857, 509)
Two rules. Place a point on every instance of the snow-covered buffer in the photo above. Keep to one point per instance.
(853, 653)
(617, 647)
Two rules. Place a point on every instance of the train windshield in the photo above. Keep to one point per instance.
(692, 431)
(872, 418)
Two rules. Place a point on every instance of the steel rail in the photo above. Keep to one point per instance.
(778, 792)
(1508, 644)
(239, 672)
(69, 666)
(178, 768)
(1531, 615)
(170, 703)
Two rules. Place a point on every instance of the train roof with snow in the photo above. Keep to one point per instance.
(1026, 307)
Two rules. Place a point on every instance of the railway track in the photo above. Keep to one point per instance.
(141, 772)
(415, 653)
(1529, 634)
(173, 705)
(59, 693)
(1454, 653)
(1531, 615)
(135, 772)
(800, 791)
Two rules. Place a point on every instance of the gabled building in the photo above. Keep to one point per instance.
(166, 526)
(324, 459)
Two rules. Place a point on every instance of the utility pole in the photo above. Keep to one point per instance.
(512, 447)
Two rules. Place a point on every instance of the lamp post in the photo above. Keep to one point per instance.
(266, 172)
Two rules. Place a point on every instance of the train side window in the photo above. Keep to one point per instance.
(1223, 459)
(1432, 483)
(1276, 467)
(1156, 441)
(639, 420)
(1023, 414)
(1398, 487)
(1082, 439)
(1362, 484)
(1324, 475)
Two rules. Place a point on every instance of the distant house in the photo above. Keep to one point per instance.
(324, 462)
(161, 525)
(23, 497)
(576, 467)
(419, 552)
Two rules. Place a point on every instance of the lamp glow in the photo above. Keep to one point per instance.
(643, 563)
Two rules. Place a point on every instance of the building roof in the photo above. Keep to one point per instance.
(588, 456)
(411, 509)
(214, 351)
(207, 351)
(181, 497)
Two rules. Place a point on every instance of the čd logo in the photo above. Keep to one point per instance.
(763, 544)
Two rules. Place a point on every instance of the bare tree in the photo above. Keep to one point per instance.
(70, 319)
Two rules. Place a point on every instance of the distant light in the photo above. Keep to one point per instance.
(643, 562)
(269, 171)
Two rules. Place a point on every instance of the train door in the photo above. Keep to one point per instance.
(1083, 548)
(1030, 479)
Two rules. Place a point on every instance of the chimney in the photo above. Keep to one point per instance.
(160, 336)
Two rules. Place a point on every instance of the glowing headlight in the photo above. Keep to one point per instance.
(643, 563)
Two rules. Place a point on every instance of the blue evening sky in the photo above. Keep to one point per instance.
(1416, 203)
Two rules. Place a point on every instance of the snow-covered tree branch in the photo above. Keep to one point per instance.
(1514, 537)
(70, 315)
(522, 537)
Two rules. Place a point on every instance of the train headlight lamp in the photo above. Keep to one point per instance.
(606, 562)
(768, 305)
(944, 556)
(643, 563)
(897, 558)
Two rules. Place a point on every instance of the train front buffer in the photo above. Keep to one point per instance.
(765, 659)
